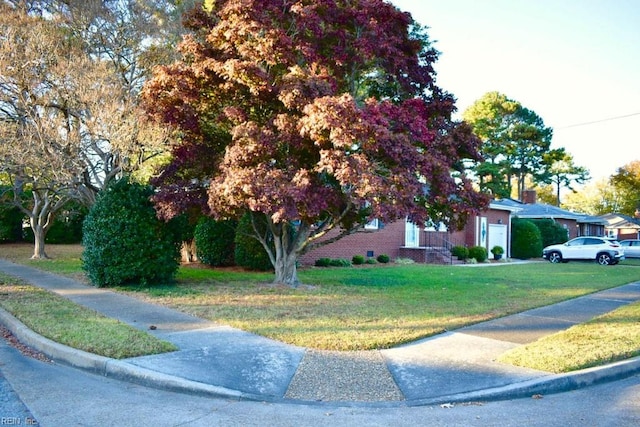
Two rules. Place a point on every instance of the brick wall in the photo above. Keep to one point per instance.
(386, 240)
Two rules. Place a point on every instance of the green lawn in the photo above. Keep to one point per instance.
(608, 338)
(67, 323)
(369, 306)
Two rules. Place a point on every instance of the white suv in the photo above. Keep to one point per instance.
(603, 251)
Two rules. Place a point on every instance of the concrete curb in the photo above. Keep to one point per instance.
(122, 370)
(109, 367)
(551, 384)
(57, 352)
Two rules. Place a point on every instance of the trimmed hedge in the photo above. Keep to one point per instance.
(551, 232)
(124, 241)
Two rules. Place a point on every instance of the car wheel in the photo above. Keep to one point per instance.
(555, 257)
(604, 259)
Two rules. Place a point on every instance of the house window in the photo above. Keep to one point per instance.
(372, 225)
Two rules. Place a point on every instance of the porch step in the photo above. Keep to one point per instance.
(429, 255)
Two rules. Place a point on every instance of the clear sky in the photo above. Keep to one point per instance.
(575, 63)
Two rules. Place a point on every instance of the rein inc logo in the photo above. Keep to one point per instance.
(16, 421)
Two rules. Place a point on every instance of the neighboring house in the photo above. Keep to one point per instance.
(621, 227)
(576, 224)
(403, 239)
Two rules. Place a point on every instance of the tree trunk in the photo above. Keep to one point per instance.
(188, 252)
(288, 241)
(38, 248)
(286, 270)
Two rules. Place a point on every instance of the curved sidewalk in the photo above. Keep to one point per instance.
(222, 361)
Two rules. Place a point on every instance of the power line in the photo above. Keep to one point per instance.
(598, 121)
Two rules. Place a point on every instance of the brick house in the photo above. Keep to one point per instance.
(621, 227)
(403, 239)
(576, 224)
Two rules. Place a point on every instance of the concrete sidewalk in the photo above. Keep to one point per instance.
(221, 361)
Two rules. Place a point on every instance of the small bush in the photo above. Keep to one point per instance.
(478, 253)
(215, 241)
(371, 261)
(404, 261)
(358, 260)
(124, 241)
(323, 262)
(340, 262)
(461, 252)
(383, 258)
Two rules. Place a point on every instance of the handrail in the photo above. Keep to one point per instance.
(442, 244)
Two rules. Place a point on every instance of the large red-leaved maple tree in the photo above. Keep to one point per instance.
(312, 115)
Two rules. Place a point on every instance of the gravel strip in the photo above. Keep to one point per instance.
(343, 376)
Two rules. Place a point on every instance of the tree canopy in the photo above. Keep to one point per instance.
(626, 182)
(69, 114)
(516, 143)
(315, 115)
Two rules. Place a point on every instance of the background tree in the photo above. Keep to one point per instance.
(514, 143)
(69, 114)
(530, 142)
(563, 173)
(598, 198)
(43, 80)
(626, 182)
(490, 117)
(130, 37)
(315, 115)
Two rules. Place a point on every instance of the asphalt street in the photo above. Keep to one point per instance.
(51, 395)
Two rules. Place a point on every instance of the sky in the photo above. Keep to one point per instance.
(575, 63)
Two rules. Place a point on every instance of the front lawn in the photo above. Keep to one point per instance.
(367, 307)
(61, 320)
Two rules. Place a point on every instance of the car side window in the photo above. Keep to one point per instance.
(576, 242)
(592, 242)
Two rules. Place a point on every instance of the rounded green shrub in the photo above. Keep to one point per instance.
(323, 262)
(358, 260)
(215, 241)
(461, 252)
(383, 258)
(479, 253)
(526, 240)
(124, 241)
(249, 252)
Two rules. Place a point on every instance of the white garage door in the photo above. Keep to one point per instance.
(498, 236)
